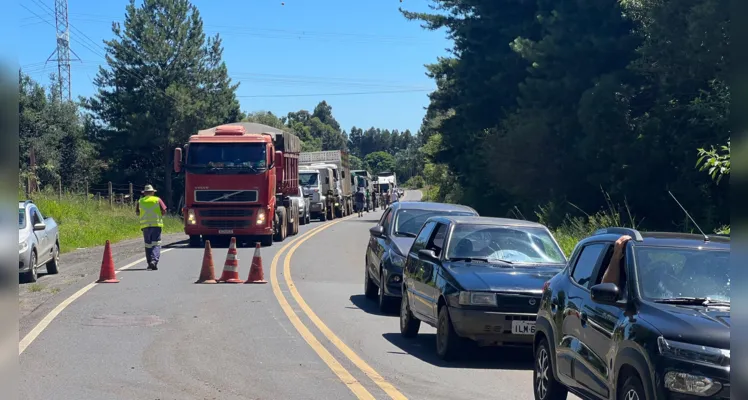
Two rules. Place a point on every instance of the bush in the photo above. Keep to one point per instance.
(86, 222)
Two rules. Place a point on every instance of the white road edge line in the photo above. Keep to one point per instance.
(44, 323)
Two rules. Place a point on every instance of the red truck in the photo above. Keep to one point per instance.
(239, 179)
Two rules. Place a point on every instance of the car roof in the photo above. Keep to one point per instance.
(426, 205)
(466, 220)
(665, 239)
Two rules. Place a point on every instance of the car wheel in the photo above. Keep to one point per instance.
(546, 387)
(31, 275)
(384, 301)
(370, 289)
(409, 324)
(53, 265)
(308, 218)
(448, 344)
(632, 389)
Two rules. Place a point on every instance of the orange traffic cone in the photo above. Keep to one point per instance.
(207, 273)
(256, 274)
(107, 274)
(231, 266)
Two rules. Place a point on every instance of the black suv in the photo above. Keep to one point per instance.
(663, 332)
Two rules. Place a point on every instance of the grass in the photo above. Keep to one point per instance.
(87, 223)
(35, 287)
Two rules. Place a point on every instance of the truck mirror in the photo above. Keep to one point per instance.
(177, 160)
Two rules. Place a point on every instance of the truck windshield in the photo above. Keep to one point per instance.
(217, 157)
(308, 179)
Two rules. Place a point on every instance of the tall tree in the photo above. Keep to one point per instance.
(164, 81)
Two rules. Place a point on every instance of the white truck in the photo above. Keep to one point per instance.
(338, 162)
(317, 185)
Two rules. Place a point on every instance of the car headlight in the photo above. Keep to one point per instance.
(23, 246)
(261, 217)
(191, 219)
(703, 355)
(696, 385)
(477, 299)
(397, 260)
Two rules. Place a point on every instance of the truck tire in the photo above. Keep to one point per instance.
(293, 216)
(323, 215)
(281, 225)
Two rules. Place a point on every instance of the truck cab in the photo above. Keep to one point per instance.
(317, 182)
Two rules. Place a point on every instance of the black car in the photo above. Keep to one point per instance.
(663, 334)
(389, 242)
(477, 278)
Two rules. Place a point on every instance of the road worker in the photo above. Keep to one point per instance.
(151, 210)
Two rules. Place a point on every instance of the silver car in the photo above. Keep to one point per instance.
(38, 242)
(305, 215)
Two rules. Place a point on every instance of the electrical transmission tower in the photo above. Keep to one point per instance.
(63, 49)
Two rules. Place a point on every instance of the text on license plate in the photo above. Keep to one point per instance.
(523, 327)
(225, 231)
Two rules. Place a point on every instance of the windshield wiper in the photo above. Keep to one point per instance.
(469, 259)
(406, 234)
(695, 301)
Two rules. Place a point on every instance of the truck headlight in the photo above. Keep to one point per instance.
(477, 299)
(23, 246)
(191, 219)
(261, 217)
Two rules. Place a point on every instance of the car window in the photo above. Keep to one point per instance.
(586, 263)
(387, 221)
(518, 244)
(664, 272)
(409, 221)
(622, 284)
(437, 239)
(37, 216)
(21, 218)
(423, 237)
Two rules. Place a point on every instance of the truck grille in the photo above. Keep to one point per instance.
(225, 213)
(519, 303)
(225, 223)
(226, 196)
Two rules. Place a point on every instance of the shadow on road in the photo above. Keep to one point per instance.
(368, 221)
(424, 347)
(369, 306)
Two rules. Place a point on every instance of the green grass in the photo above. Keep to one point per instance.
(35, 287)
(87, 223)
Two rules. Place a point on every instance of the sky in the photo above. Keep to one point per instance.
(287, 55)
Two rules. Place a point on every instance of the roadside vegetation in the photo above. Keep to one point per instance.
(88, 223)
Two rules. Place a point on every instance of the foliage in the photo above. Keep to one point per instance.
(546, 102)
(715, 162)
(84, 222)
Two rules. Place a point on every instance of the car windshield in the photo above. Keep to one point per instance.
(669, 273)
(308, 179)
(219, 156)
(514, 244)
(21, 219)
(409, 222)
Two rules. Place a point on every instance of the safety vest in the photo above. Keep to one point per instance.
(150, 212)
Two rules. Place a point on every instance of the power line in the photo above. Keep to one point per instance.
(334, 94)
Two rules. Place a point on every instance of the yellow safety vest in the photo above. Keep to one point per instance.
(150, 212)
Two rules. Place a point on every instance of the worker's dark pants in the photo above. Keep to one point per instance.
(152, 238)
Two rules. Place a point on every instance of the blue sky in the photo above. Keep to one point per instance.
(314, 47)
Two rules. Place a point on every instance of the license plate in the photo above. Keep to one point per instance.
(225, 231)
(523, 327)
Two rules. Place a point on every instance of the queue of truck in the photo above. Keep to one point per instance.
(251, 181)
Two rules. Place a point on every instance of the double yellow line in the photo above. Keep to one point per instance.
(349, 380)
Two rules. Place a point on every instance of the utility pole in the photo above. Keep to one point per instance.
(63, 49)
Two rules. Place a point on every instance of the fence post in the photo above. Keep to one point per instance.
(98, 198)
(111, 200)
(86, 190)
(131, 194)
(59, 188)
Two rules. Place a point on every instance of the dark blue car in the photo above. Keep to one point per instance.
(390, 241)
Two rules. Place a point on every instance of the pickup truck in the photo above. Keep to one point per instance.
(38, 242)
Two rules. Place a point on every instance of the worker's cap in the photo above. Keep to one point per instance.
(148, 188)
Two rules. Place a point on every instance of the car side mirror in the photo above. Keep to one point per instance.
(428, 255)
(40, 226)
(377, 231)
(605, 293)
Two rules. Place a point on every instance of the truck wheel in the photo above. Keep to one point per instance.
(280, 225)
(323, 216)
(292, 216)
(194, 240)
(302, 219)
(266, 241)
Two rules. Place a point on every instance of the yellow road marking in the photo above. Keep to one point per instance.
(352, 383)
(355, 359)
(44, 323)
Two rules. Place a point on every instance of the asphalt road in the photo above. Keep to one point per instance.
(308, 334)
